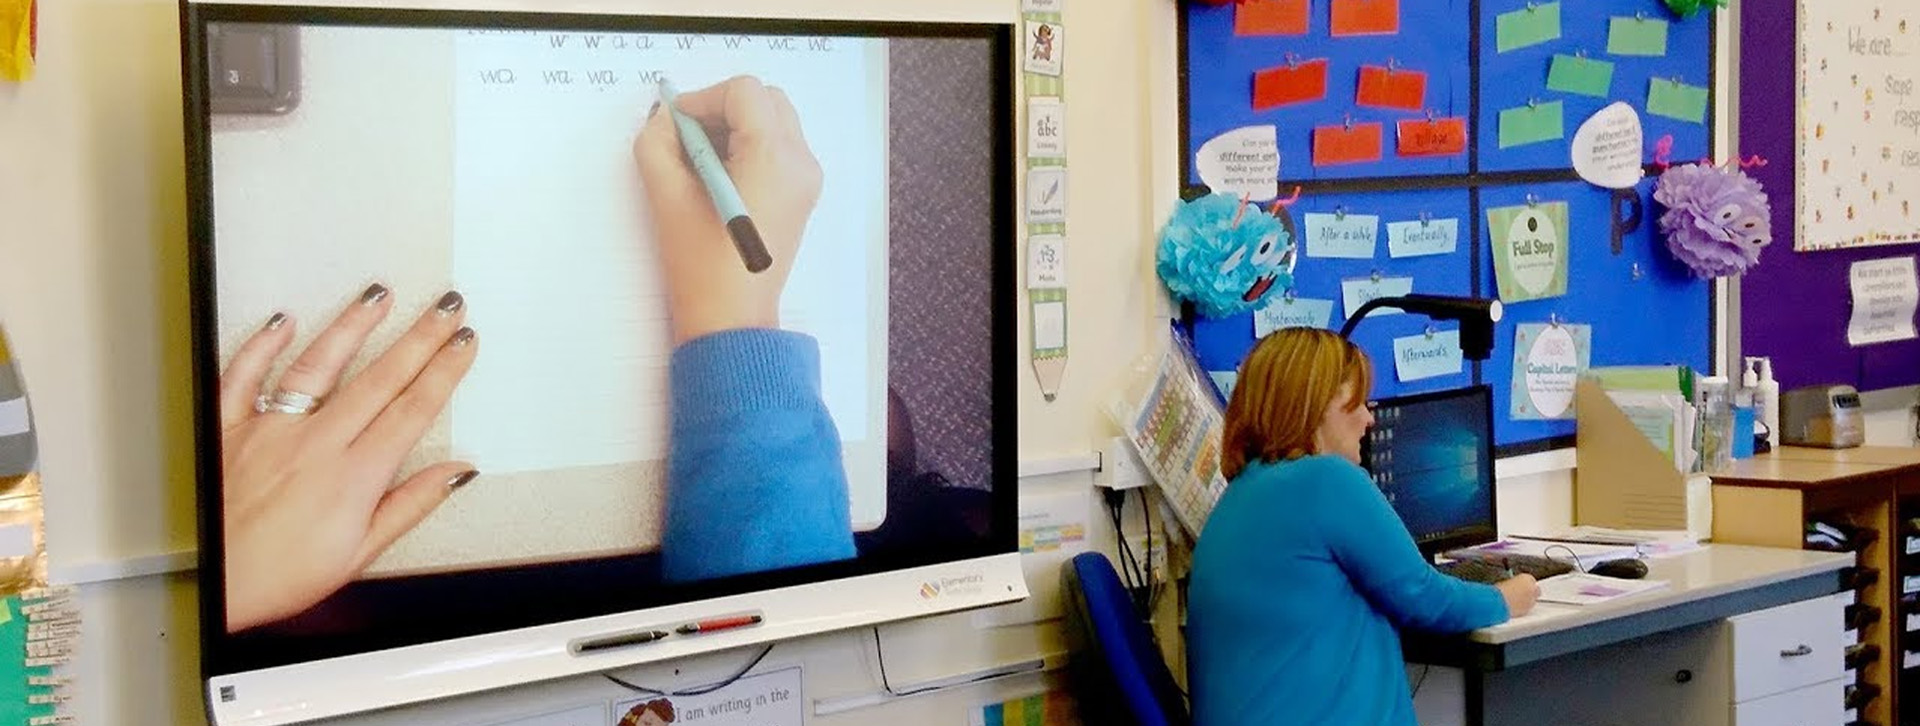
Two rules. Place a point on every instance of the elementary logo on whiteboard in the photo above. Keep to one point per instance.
(966, 585)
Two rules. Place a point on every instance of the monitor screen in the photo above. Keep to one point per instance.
(512, 319)
(1432, 455)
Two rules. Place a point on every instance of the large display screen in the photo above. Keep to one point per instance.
(505, 320)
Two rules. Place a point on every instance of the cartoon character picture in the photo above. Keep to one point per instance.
(1225, 255)
(1045, 48)
(657, 712)
(1043, 43)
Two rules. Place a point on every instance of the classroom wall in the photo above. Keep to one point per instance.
(92, 292)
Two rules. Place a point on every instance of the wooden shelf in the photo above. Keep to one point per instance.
(1768, 500)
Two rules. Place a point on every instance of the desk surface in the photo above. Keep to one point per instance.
(1893, 456)
(1710, 584)
(1787, 472)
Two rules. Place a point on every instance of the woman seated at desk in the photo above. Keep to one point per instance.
(1303, 570)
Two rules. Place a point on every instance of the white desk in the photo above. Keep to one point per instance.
(1704, 588)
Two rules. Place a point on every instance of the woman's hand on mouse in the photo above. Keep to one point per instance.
(1521, 593)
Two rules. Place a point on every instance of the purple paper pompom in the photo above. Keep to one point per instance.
(1716, 221)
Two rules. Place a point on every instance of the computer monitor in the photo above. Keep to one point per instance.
(1432, 455)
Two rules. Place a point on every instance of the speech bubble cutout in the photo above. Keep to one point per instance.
(1607, 149)
(1244, 162)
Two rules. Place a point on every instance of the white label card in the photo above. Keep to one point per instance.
(1046, 261)
(1885, 294)
(1046, 127)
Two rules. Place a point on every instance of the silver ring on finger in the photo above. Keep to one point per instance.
(284, 401)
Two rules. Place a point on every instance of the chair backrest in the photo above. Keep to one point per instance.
(1116, 668)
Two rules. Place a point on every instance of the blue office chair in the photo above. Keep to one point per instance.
(1118, 675)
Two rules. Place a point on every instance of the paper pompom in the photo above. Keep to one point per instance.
(1717, 219)
(1224, 256)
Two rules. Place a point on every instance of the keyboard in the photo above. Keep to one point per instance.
(1488, 572)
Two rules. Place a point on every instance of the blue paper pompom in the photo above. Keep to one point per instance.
(1223, 259)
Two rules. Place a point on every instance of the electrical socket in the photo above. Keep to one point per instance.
(1124, 465)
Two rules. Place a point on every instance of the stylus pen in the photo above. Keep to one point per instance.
(718, 624)
(713, 175)
(620, 641)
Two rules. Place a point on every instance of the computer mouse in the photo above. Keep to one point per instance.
(1625, 569)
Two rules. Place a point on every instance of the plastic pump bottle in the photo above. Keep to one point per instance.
(1767, 399)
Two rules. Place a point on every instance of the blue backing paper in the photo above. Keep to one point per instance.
(1522, 75)
(1436, 38)
(1220, 68)
(1221, 343)
(1660, 319)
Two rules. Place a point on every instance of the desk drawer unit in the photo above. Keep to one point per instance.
(1816, 705)
(1787, 648)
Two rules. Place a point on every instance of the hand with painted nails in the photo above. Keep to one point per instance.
(310, 464)
(756, 134)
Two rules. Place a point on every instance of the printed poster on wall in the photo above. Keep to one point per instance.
(1547, 360)
(1859, 166)
(1885, 295)
(762, 699)
(1530, 245)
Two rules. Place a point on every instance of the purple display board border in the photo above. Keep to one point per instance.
(1794, 306)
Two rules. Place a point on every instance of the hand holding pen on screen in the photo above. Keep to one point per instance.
(716, 276)
(308, 467)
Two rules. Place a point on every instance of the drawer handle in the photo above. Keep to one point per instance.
(1797, 652)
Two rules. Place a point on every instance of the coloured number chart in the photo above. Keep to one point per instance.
(1173, 419)
(1430, 146)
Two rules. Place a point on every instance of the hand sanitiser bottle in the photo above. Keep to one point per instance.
(1767, 399)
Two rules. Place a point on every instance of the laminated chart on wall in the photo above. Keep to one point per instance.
(1172, 416)
(1859, 145)
(1044, 207)
(1419, 128)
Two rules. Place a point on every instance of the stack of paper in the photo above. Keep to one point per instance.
(1651, 544)
(1585, 589)
(1582, 555)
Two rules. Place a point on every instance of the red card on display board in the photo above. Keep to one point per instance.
(1433, 137)
(1271, 17)
(1290, 84)
(1366, 17)
(1383, 87)
(1347, 144)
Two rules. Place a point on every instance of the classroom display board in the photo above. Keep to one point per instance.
(1432, 147)
(1859, 132)
(1842, 111)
